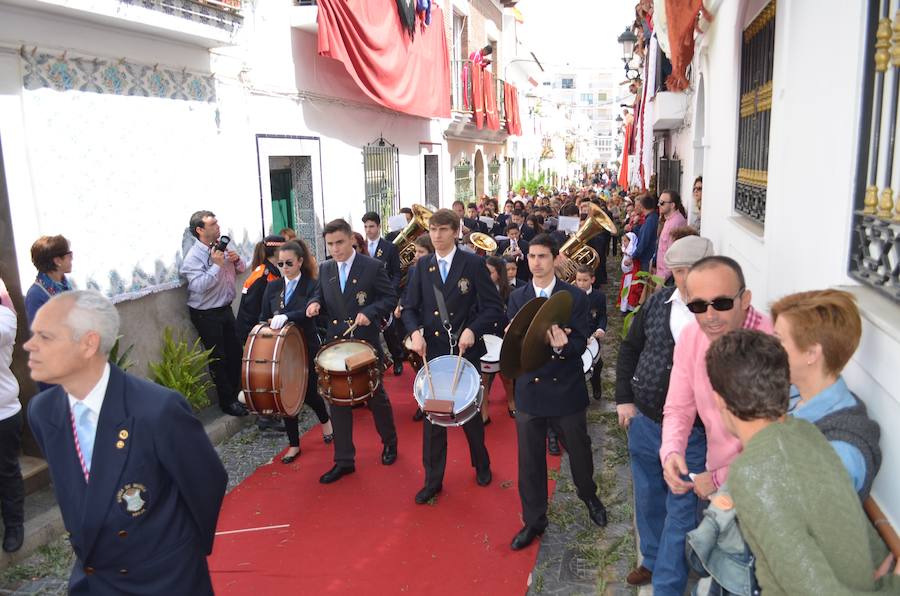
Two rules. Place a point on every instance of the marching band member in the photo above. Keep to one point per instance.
(424, 247)
(554, 395)
(285, 301)
(354, 289)
(456, 285)
(388, 254)
(517, 248)
(497, 269)
(584, 280)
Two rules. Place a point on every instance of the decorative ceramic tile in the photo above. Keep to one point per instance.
(95, 75)
(304, 207)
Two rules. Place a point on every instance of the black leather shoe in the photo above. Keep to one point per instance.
(13, 538)
(235, 409)
(287, 459)
(553, 445)
(336, 473)
(484, 477)
(389, 454)
(328, 438)
(398, 368)
(426, 494)
(525, 537)
(597, 512)
(417, 417)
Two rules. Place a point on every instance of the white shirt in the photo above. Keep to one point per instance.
(349, 264)
(373, 246)
(9, 386)
(447, 259)
(548, 289)
(94, 399)
(680, 316)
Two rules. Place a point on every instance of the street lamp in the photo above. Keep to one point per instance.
(619, 119)
(627, 39)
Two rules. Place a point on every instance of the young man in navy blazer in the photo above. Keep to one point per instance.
(555, 395)
(473, 306)
(354, 289)
(388, 254)
(141, 515)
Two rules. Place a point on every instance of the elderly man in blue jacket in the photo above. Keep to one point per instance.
(138, 483)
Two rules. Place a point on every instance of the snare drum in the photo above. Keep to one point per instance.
(274, 370)
(349, 371)
(466, 401)
(590, 356)
(490, 362)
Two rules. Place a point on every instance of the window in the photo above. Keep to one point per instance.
(757, 58)
(601, 97)
(381, 170)
(875, 242)
(567, 83)
(462, 173)
(587, 99)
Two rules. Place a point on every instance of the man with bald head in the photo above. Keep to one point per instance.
(141, 515)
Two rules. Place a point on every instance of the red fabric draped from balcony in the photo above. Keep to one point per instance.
(511, 106)
(407, 75)
(491, 114)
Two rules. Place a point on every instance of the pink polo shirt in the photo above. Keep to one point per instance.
(690, 394)
(673, 221)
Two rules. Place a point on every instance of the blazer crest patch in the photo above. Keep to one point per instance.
(378, 253)
(133, 497)
(464, 285)
(361, 298)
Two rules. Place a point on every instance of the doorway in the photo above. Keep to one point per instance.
(282, 213)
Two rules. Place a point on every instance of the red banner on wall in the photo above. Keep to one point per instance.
(511, 105)
(407, 75)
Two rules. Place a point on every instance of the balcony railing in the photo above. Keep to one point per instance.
(461, 90)
(221, 14)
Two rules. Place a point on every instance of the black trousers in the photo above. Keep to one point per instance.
(342, 421)
(434, 449)
(314, 401)
(532, 439)
(394, 335)
(12, 487)
(596, 385)
(216, 329)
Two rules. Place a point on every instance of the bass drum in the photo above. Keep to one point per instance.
(466, 400)
(274, 370)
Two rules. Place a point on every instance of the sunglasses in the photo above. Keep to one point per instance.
(698, 188)
(288, 263)
(661, 203)
(720, 304)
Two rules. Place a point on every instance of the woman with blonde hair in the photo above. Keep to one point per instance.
(820, 330)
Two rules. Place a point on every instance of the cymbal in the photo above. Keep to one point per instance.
(536, 349)
(511, 350)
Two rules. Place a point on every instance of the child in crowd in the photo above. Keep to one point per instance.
(584, 280)
(625, 301)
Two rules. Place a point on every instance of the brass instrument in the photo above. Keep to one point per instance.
(576, 252)
(484, 244)
(405, 240)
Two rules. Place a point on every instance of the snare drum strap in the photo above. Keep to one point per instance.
(445, 318)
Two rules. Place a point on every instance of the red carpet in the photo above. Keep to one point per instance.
(364, 534)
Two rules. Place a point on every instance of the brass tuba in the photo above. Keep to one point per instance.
(405, 240)
(576, 252)
(484, 244)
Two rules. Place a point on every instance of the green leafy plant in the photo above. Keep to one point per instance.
(530, 183)
(121, 360)
(183, 368)
(641, 278)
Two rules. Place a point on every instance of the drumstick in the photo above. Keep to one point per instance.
(456, 374)
(350, 329)
(428, 376)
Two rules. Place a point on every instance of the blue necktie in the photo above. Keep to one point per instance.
(443, 270)
(543, 293)
(86, 432)
(292, 285)
(343, 276)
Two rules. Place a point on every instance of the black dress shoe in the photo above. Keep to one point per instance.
(512, 413)
(336, 473)
(328, 438)
(553, 445)
(417, 417)
(389, 454)
(484, 477)
(597, 512)
(426, 494)
(290, 458)
(13, 538)
(398, 368)
(235, 409)
(525, 537)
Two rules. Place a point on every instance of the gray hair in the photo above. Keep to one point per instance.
(91, 311)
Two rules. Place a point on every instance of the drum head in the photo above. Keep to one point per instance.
(493, 345)
(442, 369)
(333, 356)
(293, 369)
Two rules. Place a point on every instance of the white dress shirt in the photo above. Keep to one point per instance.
(349, 263)
(447, 259)
(680, 316)
(548, 289)
(373, 247)
(9, 386)
(93, 401)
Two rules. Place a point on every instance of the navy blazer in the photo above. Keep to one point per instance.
(368, 291)
(523, 273)
(558, 387)
(149, 444)
(472, 302)
(294, 310)
(387, 253)
(597, 304)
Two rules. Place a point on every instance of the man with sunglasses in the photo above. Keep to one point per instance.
(720, 301)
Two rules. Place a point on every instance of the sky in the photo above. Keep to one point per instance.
(581, 33)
